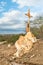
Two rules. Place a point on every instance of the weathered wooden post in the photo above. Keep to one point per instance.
(28, 23)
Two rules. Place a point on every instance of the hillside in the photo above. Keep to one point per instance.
(34, 57)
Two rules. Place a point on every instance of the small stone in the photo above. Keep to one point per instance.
(37, 50)
(13, 57)
(39, 55)
(32, 56)
(9, 45)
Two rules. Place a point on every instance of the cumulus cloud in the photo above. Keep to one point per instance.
(22, 3)
(17, 26)
(14, 19)
(8, 16)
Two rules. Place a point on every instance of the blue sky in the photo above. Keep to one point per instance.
(12, 14)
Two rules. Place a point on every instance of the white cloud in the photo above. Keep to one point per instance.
(23, 3)
(17, 26)
(2, 3)
(11, 18)
(1, 9)
(13, 0)
(8, 16)
(14, 19)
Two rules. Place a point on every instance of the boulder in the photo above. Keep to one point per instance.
(24, 44)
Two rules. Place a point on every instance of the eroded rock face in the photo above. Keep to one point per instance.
(24, 44)
(31, 37)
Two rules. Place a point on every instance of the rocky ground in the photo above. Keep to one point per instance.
(34, 57)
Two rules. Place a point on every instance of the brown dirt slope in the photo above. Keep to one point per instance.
(34, 57)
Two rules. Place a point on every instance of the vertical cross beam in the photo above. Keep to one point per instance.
(28, 24)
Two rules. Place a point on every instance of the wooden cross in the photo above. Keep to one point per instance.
(28, 14)
(28, 24)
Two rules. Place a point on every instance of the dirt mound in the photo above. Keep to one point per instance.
(34, 57)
